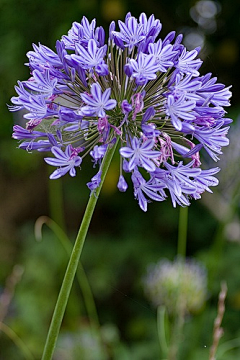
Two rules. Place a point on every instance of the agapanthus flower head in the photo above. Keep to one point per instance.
(180, 286)
(134, 87)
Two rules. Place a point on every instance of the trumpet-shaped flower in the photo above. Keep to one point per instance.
(64, 160)
(140, 154)
(97, 102)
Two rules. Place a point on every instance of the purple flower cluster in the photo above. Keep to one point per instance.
(146, 92)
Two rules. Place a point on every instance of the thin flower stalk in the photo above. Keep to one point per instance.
(73, 264)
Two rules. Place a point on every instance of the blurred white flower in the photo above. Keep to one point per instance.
(178, 285)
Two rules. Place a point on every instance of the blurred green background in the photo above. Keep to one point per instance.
(122, 240)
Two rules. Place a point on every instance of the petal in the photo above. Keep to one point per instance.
(152, 194)
(106, 95)
(68, 151)
(142, 202)
(87, 111)
(59, 172)
(92, 48)
(100, 113)
(176, 122)
(96, 92)
(135, 143)
(77, 161)
(111, 104)
(147, 145)
(58, 153)
(72, 172)
(147, 164)
(55, 175)
(55, 162)
(87, 99)
(151, 153)
(126, 152)
(133, 163)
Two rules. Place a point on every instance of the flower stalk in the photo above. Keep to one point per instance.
(73, 263)
(81, 276)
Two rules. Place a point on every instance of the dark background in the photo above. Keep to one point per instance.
(122, 240)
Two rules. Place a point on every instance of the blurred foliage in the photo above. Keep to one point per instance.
(122, 240)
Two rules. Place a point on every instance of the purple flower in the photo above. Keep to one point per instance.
(95, 181)
(212, 139)
(187, 86)
(97, 102)
(163, 55)
(179, 193)
(90, 58)
(187, 64)
(137, 103)
(204, 180)
(66, 161)
(126, 107)
(144, 68)
(149, 130)
(139, 89)
(98, 152)
(214, 93)
(20, 133)
(182, 175)
(37, 107)
(149, 114)
(140, 154)
(43, 58)
(122, 184)
(79, 33)
(143, 188)
(131, 33)
(150, 27)
(179, 109)
(18, 100)
(42, 82)
(39, 145)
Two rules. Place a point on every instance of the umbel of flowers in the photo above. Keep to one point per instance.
(178, 285)
(134, 87)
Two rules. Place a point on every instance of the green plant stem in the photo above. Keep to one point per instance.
(81, 275)
(17, 341)
(162, 326)
(182, 231)
(73, 264)
(228, 345)
(178, 321)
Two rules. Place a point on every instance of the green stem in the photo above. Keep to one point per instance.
(17, 341)
(228, 345)
(81, 275)
(73, 264)
(162, 327)
(182, 231)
